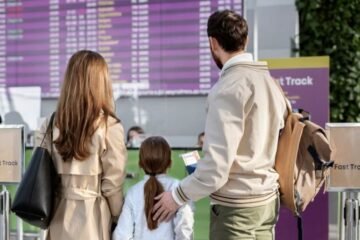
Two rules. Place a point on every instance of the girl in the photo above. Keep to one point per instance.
(136, 221)
(88, 151)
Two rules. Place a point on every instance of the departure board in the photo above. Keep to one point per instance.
(153, 47)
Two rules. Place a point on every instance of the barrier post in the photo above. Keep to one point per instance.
(19, 229)
(4, 214)
(351, 217)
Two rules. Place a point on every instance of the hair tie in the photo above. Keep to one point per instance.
(152, 174)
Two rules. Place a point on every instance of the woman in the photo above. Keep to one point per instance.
(88, 151)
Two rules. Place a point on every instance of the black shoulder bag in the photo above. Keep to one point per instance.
(34, 199)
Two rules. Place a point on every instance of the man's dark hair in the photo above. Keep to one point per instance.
(229, 29)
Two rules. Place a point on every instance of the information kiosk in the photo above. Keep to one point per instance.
(12, 154)
(345, 175)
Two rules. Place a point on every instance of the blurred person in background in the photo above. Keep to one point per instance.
(200, 140)
(135, 136)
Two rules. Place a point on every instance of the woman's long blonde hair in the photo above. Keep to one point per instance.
(86, 94)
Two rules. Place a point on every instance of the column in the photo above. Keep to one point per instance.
(140, 44)
(108, 42)
(91, 25)
(224, 4)
(81, 33)
(71, 23)
(143, 44)
(204, 46)
(2, 44)
(54, 47)
(238, 6)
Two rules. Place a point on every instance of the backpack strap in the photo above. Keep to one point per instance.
(288, 106)
(319, 163)
(289, 110)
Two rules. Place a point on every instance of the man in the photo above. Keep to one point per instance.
(245, 114)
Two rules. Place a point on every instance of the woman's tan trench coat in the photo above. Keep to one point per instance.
(90, 194)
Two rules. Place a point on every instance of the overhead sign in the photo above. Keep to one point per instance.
(12, 150)
(344, 140)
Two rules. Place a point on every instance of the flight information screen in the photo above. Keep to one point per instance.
(152, 47)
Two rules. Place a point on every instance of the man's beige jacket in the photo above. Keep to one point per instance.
(245, 114)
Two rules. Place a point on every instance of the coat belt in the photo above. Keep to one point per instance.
(85, 194)
(78, 194)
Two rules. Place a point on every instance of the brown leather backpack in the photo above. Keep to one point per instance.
(302, 161)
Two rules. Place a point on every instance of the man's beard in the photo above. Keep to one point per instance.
(216, 60)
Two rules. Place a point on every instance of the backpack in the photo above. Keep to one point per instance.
(302, 162)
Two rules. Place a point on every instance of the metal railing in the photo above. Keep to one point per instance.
(4, 214)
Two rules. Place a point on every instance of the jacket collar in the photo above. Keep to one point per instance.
(241, 57)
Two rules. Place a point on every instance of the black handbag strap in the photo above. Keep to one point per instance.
(49, 129)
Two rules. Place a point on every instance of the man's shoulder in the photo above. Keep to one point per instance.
(248, 66)
(233, 82)
(244, 69)
(244, 75)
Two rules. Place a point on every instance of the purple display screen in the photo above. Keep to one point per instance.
(154, 46)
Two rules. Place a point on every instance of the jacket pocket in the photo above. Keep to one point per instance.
(215, 210)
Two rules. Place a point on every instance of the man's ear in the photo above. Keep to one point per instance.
(246, 43)
(214, 44)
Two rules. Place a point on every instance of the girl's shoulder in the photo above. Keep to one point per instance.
(170, 182)
(137, 188)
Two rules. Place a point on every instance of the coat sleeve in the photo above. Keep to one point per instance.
(224, 130)
(184, 223)
(125, 226)
(113, 163)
